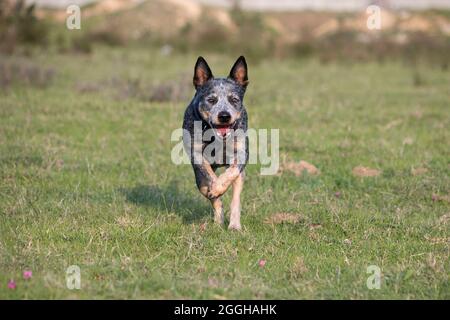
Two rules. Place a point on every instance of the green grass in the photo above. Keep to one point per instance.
(86, 179)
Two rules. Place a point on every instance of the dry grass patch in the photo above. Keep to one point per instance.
(438, 240)
(126, 221)
(298, 268)
(444, 219)
(282, 217)
(445, 198)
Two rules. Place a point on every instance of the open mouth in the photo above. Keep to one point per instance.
(223, 130)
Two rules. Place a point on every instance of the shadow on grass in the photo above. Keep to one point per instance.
(168, 199)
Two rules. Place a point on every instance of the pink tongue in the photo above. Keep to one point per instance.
(223, 130)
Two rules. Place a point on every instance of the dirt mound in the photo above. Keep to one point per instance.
(361, 171)
(298, 167)
(418, 171)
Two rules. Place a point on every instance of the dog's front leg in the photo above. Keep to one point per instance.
(235, 216)
(218, 210)
(205, 178)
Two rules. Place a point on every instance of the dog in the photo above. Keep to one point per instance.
(217, 107)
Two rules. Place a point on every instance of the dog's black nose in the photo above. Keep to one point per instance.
(224, 116)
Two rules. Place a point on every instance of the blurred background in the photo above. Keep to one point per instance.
(86, 175)
(329, 30)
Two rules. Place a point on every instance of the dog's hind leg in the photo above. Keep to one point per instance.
(235, 217)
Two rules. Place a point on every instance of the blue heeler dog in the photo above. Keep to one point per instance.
(215, 115)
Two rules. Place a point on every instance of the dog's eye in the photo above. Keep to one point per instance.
(212, 100)
(233, 100)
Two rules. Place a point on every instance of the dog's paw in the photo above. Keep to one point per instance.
(235, 226)
(216, 190)
(212, 195)
(218, 219)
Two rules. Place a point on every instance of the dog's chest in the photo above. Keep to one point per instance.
(219, 152)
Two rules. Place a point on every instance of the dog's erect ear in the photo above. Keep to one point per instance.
(239, 72)
(202, 72)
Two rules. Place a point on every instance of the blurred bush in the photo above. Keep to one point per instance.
(410, 47)
(24, 73)
(19, 25)
(179, 28)
(248, 35)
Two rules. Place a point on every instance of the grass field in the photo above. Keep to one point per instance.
(87, 180)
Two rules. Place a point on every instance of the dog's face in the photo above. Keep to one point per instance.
(220, 100)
